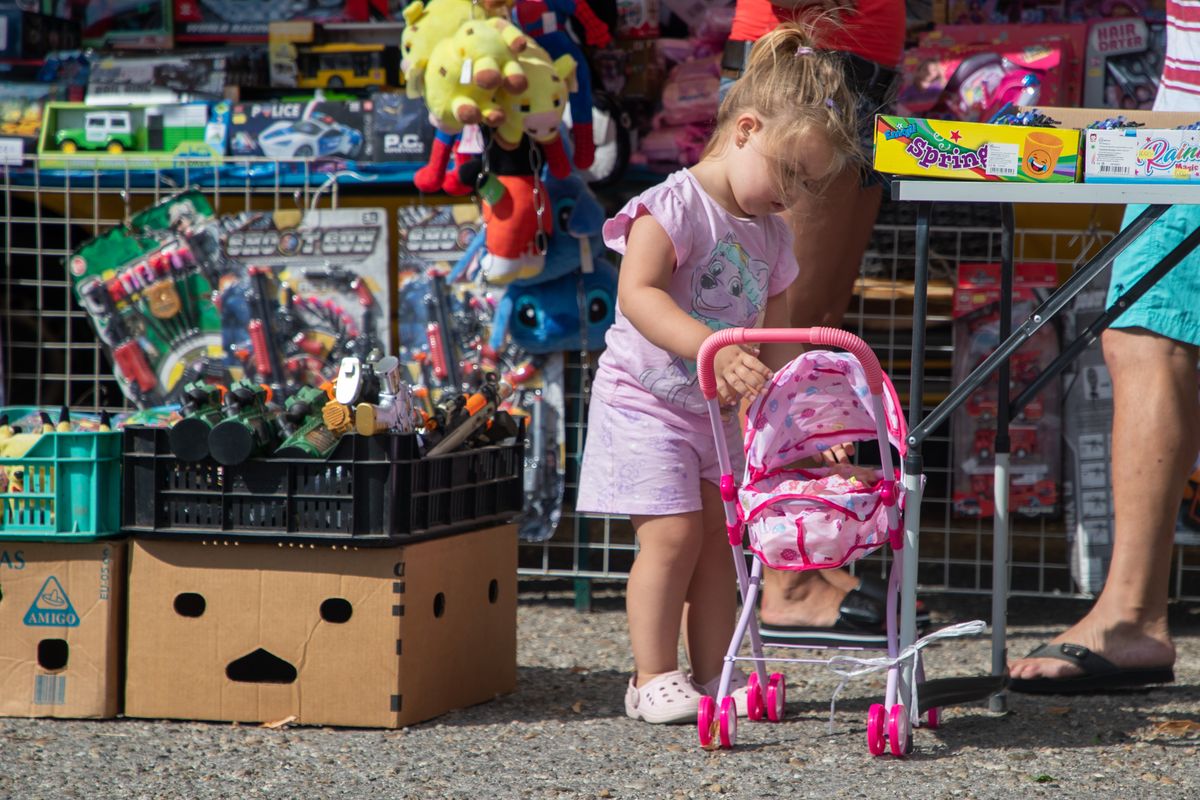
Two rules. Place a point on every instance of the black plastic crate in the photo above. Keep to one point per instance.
(371, 490)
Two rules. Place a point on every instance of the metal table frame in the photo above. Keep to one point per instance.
(925, 193)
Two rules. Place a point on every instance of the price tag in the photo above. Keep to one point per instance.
(467, 73)
(585, 256)
(492, 190)
(11, 151)
(471, 143)
(549, 23)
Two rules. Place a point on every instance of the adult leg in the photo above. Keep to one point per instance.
(1156, 430)
(709, 612)
(831, 234)
(669, 547)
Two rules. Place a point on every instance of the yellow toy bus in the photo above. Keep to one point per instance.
(345, 65)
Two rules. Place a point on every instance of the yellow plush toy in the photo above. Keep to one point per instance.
(428, 23)
(465, 71)
(537, 111)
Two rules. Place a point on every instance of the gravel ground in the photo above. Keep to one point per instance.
(563, 734)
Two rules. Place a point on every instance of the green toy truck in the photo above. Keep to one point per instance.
(102, 130)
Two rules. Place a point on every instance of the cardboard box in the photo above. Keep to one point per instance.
(332, 636)
(61, 609)
(1156, 152)
(975, 151)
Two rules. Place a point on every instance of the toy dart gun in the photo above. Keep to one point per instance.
(267, 363)
(437, 332)
(203, 409)
(311, 437)
(249, 428)
(116, 333)
(394, 409)
(462, 418)
(361, 342)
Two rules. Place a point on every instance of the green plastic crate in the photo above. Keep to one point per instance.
(69, 486)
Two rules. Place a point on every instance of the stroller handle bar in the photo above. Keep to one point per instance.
(832, 337)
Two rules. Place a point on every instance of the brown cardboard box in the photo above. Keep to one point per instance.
(61, 607)
(1080, 118)
(360, 636)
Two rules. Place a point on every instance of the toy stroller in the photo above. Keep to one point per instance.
(818, 518)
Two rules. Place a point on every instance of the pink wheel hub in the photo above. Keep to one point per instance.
(875, 724)
(776, 697)
(728, 723)
(755, 707)
(706, 721)
(898, 730)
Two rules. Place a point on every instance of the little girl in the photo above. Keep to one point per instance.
(703, 251)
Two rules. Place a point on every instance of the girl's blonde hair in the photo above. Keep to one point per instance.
(797, 91)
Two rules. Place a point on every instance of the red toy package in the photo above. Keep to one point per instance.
(1070, 38)
(1034, 435)
(973, 83)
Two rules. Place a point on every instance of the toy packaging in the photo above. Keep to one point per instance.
(400, 130)
(974, 82)
(21, 106)
(328, 296)
(1034, 435)
(130, 137)
(148, 292)
(975, 151)
(1124, 63)
(312, 128)
(249, 20)
(1069, 39)
(1157, 147)
(199, 77)
(118, 25)
(29, 36)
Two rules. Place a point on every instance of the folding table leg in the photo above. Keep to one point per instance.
(1000, 527)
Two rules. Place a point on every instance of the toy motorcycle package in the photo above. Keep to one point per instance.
(1035, 434)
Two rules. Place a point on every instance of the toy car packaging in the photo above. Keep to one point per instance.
(148, 291)
(1034, 434)
(400, 129)
(975, 151)
(130, 136)
(300, 129)
(248, 20)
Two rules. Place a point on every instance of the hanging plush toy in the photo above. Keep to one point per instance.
(537, 112)
(427, 26)
(574, 244)
(545, 21)
(466, 70)
(545, 317)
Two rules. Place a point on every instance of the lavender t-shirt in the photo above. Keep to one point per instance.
(726, 268)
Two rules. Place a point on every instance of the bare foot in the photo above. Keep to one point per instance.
(840, 579)
(806, 599)
(1124, 644)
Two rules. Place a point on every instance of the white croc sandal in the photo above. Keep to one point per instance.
(737, 689)
(669, 698)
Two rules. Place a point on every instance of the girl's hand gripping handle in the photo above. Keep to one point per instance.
(831, 337)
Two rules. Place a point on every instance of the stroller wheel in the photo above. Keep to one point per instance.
(875, 722)
(898, 730)
(755, 707)
(728, 723)
(933, 719)
(706, 721)
(776, 696)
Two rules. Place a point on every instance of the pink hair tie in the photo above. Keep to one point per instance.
(803, 51)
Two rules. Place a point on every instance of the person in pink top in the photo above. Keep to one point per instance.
(703, 251)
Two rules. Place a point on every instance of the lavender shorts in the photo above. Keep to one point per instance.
(634, 463)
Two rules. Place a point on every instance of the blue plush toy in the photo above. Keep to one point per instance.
(544, 318)
(535, 311)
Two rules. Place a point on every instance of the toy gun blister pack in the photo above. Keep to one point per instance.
(149, 298)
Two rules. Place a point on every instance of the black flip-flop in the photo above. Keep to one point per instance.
(876, 589)
(859, 624)
(1099, 674)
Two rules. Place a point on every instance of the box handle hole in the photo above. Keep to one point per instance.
(190, 604)
(52, 654)
(336, 609)
(493, 591)
(439, 604)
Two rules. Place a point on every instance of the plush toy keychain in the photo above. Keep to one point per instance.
(545, 21)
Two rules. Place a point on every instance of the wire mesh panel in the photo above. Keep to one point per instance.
(955, 552)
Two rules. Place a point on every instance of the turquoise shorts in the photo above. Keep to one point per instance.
(1172, 306)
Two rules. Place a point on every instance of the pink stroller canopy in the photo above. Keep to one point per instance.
(818, 400)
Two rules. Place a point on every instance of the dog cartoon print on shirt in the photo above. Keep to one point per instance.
(728, 290)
